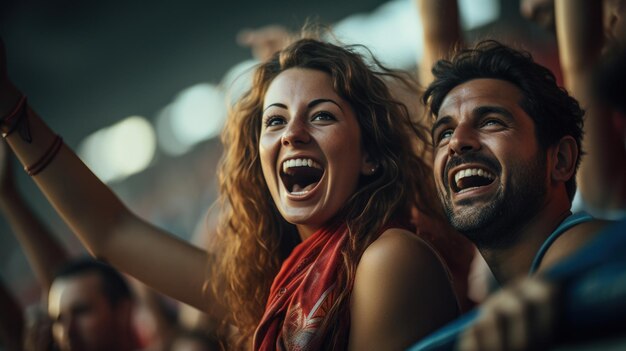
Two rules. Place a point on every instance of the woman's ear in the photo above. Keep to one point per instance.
(369, 166)
(564, 157)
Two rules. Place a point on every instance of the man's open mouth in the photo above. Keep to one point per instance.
(471, 178)
(300, 175)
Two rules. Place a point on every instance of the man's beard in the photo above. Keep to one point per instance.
(498, 223)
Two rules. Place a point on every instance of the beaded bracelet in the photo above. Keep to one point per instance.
(46, 158)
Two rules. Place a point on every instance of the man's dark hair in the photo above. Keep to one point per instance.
(114, 286)
(554, 113)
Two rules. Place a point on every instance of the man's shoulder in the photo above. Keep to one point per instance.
(572, 240)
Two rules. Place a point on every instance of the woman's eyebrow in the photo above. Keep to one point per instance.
(310, 104)
(277, 104)
(319, 101)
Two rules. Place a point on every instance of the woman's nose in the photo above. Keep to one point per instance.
(295, 132)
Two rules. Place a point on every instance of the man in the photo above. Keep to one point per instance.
(90, 306)
(506, 146)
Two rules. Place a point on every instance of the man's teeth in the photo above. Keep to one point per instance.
(300, 162)
(473, 172)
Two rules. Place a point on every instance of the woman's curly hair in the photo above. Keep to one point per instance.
(253, 239)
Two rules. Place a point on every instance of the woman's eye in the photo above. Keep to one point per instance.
(274, 121)
(323, 116)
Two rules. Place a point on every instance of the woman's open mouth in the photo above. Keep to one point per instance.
(300, 175)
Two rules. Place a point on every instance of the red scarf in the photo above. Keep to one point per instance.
(302, 293)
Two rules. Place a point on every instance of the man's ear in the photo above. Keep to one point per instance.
(369, 166)
(564, 156)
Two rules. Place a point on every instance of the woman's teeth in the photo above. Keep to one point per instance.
(301, 175)
(300, 162)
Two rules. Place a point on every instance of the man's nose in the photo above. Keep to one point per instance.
(463, 139)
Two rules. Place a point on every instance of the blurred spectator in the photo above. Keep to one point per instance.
(539, 11)
(186, 340)
(91, 305)
(602, 175)
(88, 303)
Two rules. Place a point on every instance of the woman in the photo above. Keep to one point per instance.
(318, 151)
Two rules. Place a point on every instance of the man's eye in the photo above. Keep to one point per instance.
(443, 135)
(492, 122)
(323, 116)
(274, 121)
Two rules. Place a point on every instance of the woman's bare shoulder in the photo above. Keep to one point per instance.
(400, 246)
(401, 293)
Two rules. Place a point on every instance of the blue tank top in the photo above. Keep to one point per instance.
(570, 221)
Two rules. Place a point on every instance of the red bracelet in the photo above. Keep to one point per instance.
(46, 158)
(10, 122)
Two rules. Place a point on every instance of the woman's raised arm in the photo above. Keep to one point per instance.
(104, 225)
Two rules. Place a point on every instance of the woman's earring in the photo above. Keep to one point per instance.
(373, 169)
